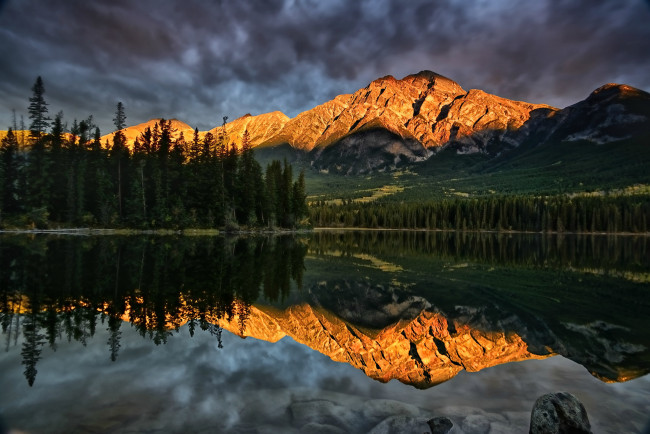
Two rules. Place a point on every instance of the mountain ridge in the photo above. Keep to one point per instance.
(392, 122)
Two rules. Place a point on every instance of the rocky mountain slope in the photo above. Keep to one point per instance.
(134, 131)
(397, 121)
(261, 128)
(392, 122)
(611, 113)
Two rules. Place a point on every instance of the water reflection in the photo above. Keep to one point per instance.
(62, 288)
(418, 307)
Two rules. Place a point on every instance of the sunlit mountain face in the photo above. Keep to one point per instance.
(416, 307)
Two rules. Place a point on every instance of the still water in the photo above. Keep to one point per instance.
(326, 332)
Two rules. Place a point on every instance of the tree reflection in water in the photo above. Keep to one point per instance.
(570, 295)
(64, 287)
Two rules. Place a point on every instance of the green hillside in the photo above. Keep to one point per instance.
(554, 168)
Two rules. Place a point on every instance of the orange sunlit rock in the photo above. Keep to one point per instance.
(421, 352)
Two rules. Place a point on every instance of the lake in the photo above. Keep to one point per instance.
(370, 331)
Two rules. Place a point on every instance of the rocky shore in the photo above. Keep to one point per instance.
(552, 413)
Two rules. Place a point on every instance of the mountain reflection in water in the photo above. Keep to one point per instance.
(417, 307)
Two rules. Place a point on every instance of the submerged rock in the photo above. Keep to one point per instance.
(440, 425)
(561, 413)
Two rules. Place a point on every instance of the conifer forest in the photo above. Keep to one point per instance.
(60, 176)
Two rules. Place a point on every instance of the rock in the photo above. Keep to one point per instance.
(400, 425)
(476, 424)
(440, 425)
(560, 413)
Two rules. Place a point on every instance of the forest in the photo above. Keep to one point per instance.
(67, 177)
(524, 213)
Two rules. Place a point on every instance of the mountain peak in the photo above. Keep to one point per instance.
(428, 75)
(614, 90)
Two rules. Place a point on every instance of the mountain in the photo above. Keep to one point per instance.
(134, 131)
(392, 122)
(386, 123)
(611, 113)
(260, 128)
(304, 131)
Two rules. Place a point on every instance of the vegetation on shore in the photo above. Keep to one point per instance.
(71, 179)
(495, 213)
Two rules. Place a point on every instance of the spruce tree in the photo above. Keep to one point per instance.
(120, 117)
(38, 110)
(58, 156)
(245, 197)
(299, 197)
(120, 154)
(9, 166)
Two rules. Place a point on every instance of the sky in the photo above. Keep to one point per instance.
(200, 60)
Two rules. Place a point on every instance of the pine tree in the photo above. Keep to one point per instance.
(120, 154)
(299, 197)
(286, 216)
(245, 198)
(273, 180)
(195, 146)
(38, 110)
(120, 117)
(59, 168)
(10, 166)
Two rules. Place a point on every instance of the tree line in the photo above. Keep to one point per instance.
(495, 213)
(67, 176)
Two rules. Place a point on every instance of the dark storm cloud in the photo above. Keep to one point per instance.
(198, 60)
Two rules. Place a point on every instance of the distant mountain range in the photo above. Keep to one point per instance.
(393, 122)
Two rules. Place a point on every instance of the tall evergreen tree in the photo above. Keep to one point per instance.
(59, 167)
(246, 183)
(120, 117)
(299, 197)
(38, 110)
(9, 168)
(120, 154)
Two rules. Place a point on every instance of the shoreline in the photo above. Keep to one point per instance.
(127, 231)
(479, 231)
(215, 232)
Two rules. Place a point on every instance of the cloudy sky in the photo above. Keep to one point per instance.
(199, 60)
